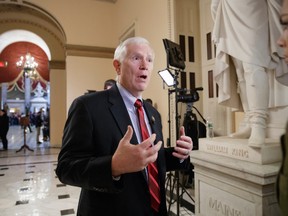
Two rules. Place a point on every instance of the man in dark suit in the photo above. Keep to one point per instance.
(4, 128)
(103, 152)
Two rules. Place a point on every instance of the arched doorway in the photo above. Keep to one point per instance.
(23, 92)
(27, 17)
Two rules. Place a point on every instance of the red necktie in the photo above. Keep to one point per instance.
(152, 167)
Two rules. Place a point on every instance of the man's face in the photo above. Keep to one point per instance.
(134, 72)
(283, 40)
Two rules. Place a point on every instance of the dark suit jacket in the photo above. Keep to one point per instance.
(4, 125)
(95, 125)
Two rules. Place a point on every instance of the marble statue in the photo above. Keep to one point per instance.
(39, 92)
(248, 61)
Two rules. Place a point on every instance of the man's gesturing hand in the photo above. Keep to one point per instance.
(183, 145)
(132, 158)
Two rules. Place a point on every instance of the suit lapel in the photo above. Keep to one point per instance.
(119, 112)
(152, 120)
(122, 118)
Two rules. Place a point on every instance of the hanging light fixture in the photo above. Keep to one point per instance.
(28, 65)
(3, 63)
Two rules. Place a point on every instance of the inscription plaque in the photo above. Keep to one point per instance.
(239, 149)
(216, 202)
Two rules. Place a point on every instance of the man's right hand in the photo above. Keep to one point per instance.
(133, 158)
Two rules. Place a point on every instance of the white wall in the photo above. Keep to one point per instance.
(85, 22)
(85, 73)
(151, 21)
(95, 23)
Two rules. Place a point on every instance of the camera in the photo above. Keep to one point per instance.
(191, 97)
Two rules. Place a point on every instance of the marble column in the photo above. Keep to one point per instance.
(4, 88)
(27, 92)
(48, 93)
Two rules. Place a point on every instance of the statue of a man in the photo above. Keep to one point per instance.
(245, 34)
(39, 92)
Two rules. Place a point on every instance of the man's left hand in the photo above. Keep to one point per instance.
(184, 145)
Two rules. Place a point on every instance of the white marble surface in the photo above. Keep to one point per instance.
(29, 176)
(225, 184)
(35, 183)
(270, 151)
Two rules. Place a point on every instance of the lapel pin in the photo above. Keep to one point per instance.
(152, 120)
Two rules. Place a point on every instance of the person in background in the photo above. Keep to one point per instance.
(109, 83)
(29, 125)
(282, 179)
(149, 100)
(4, 128)
(38, 125)
(46, 126)
(119, 162)
(6, 108)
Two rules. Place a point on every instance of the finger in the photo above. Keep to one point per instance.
(148, 142)
(182, 149)
(157, 146)
(184, 144)
(153, 149)
(128, 135)
(179, 155)
(185, 139)
(152, 153)
(182, 131)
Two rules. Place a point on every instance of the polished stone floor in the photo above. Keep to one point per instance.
(29, 186)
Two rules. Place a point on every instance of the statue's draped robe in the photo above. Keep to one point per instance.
(248, 30)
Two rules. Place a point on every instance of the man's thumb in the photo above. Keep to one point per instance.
(128, 135)
(182, 131)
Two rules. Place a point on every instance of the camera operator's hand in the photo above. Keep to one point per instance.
(183, 145)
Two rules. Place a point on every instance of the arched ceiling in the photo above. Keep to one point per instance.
(25, 27)
(13, 75)
(26, 16)
(20, 35)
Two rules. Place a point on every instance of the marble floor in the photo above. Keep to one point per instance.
(29, 186)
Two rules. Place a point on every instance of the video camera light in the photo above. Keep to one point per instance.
(167, 77)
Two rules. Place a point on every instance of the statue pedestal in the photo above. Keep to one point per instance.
(232, 178)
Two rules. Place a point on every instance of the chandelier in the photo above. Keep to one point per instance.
(29, 65)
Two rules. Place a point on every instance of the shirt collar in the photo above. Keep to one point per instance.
(128, 98)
